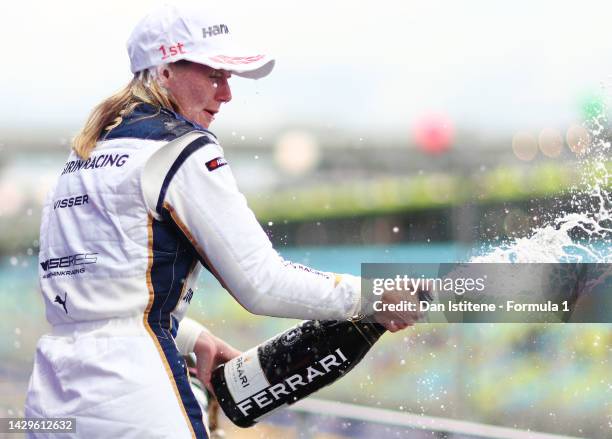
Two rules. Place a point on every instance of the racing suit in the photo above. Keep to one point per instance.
(123, 237)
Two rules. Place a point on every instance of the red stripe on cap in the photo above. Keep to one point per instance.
(236, 59)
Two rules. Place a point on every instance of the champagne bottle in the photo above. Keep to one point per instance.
(290, 366)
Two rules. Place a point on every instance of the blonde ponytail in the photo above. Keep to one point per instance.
(110, 112)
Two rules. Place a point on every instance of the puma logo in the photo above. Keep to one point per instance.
(59, 300)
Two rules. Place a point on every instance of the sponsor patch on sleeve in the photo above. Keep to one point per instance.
(216, 163)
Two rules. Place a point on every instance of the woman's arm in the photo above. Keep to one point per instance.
(199, 194)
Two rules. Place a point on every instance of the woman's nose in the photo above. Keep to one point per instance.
(224, 93)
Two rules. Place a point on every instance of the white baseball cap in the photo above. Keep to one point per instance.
(192, 32)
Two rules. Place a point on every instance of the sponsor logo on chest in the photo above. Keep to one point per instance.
(96, 162)
(73, 262)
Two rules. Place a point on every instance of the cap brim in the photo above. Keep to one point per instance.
(252, 67)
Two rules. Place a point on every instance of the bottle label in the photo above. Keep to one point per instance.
(305, 381)
(244, 376)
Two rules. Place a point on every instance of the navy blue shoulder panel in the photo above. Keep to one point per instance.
(198, 143)
(153, 123)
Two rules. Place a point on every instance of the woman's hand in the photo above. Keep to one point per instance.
(397, 320)
(210, 352)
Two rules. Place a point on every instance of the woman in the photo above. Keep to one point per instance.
(145, 199)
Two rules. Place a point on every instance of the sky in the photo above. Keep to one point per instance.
(360, 66)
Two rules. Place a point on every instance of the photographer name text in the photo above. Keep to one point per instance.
(509, 306)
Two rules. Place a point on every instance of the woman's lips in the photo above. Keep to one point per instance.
(211, 114)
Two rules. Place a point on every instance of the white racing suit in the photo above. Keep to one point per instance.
(123, 237)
